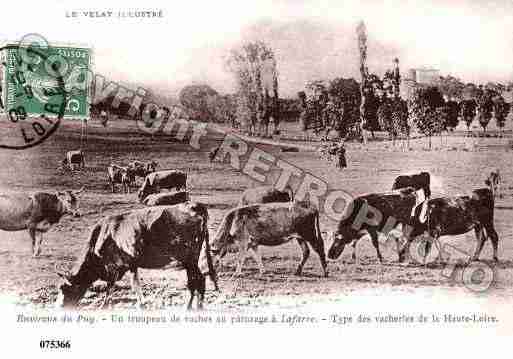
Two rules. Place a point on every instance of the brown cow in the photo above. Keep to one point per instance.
(36, 213)
(167, 179)
(265, 194)
(270, 224)
(166, 198)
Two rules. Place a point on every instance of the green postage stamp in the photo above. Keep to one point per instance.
(36, 80)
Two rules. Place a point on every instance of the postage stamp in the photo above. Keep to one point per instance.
(41, 85)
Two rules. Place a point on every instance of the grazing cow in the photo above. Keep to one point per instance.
(141, 169)
(122, 175)
(166, 198)
(418, 181)
(370, 214)
(266, 194)
(74, 158)
(270, 224)
(167, 179)
(151, 238)
(493, 181)
(36, 213)
(450, 216)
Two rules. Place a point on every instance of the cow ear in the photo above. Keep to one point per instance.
(76, 193)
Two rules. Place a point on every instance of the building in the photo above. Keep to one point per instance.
(418, 77)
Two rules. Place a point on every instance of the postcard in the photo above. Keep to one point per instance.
(280, 178)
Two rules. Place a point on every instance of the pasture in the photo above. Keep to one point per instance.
(34, 280)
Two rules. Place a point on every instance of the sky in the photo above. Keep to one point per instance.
(470, 39)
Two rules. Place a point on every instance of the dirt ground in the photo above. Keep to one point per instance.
(34, 280)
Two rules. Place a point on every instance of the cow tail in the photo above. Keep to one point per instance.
(206, 239)
(224, 228)
(211, 270)
(319, 235)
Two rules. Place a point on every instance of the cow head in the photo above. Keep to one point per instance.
(69, 201)
(146, 189)
(340, 239)
(69, 292)
(151, 167)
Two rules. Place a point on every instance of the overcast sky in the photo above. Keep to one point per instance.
(471, 39)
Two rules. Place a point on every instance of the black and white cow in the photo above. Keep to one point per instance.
(372, 214)
(151, 238)
(450, 216)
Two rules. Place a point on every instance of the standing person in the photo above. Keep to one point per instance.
(103, 118)
(341, 153)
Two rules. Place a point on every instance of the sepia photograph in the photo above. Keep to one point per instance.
(171, 173)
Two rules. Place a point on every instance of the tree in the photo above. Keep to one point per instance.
(450, 111)
(485, 107)
(361, 32)
(393, 118)
(425, 111)
(468, 111)
(200, 102)
(451, 87)
(255, 69)
(501, 109)
(346, 95)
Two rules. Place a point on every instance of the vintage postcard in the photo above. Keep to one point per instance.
(280, 178)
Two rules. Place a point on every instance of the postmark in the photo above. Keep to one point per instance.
(42, 84)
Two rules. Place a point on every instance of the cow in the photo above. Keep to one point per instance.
(371, 214)
(166, 198)
(265, 194)
(493, 181)
(36, 213)
(167, 179)
(74, 158)
(450, 216)
(141, 169)
(121, 175)
(420, 181)
(269, 224)
(150, 238)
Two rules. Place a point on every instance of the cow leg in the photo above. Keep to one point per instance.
(108, 292)
(480, 236)
(39, 241)
(494, 237)
(195, 283)
(240, 262)
(354, 256)
(306, 254)
(253, 250)
(35, 247)
(136, 286)
(318, 247)
(244, 244)
(200, 285)
(427, 248)
(374, 237)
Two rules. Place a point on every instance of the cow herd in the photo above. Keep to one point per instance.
(172, 228)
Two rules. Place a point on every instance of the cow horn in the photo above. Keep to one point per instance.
(65, 277)
(63, 273)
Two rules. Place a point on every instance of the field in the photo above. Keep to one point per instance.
(34, 281)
